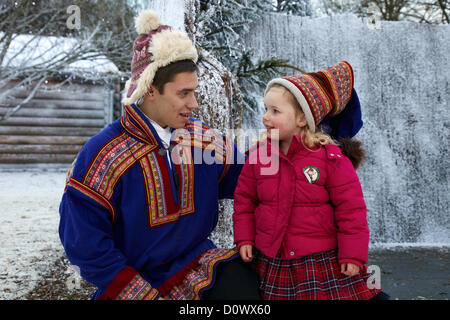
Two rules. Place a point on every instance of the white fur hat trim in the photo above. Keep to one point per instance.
(167, 46)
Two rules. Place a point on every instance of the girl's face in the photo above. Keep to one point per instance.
(281, 115)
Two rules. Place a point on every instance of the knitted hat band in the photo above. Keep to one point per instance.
(326, 92)
(340, 78)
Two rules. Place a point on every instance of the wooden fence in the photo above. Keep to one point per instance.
(54, 125)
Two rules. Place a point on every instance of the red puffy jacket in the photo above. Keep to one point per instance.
(312, 203)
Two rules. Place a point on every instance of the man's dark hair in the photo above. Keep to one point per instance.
(167, 73)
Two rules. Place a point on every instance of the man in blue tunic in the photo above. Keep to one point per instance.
(139, 205)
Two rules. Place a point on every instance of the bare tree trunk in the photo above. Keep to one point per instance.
(444, 5)
(220, 106)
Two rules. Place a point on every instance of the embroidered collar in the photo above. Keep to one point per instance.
(137, 124)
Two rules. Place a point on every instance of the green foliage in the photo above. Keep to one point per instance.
(253, 76)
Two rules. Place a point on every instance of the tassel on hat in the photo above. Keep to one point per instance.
(327, 97)
(156, 46)
(147, 21)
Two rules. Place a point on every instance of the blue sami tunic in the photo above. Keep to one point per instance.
(126, 213)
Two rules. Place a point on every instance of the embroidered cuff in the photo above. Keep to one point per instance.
(129, 285)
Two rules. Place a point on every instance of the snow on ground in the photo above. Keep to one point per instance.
(29, 201)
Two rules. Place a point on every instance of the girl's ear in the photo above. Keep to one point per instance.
(301, 120)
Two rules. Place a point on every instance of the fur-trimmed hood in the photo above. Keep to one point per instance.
(353, 149)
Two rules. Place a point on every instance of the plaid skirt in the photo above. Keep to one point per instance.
(313, 277)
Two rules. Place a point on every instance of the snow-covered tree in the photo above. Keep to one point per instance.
(422, 11)
(294, 7)
(220, 27)
(38, 40)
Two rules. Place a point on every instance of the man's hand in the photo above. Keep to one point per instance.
(246, 252)
(349, 269)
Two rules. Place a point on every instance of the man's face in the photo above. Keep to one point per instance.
(174, 107)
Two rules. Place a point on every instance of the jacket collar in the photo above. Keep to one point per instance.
(137, 125)
(296, 145)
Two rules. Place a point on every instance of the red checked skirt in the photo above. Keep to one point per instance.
(313, 277)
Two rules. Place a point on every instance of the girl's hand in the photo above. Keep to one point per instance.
(349, 269)
(246, 252)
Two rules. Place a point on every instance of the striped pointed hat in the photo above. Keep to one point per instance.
(156, 46)
(326, 96)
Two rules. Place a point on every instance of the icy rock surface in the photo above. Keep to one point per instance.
(402, 79)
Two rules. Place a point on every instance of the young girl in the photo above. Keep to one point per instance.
(307, 221)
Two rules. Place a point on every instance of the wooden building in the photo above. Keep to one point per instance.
(62, 115)
(54, 125)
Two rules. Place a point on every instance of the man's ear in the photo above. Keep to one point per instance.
(151, 92)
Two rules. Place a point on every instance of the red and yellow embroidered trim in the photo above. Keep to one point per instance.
(157, 199)
(112, 161)
(201, 276)
(229, 157)
(93, 195)
(208, 260)
(138, 289)
(200, 136)
(132, 129)
(141, 125)
(184, 158)
(197, 135)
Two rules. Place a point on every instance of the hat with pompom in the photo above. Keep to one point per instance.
(327, 97)
(156, 46)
